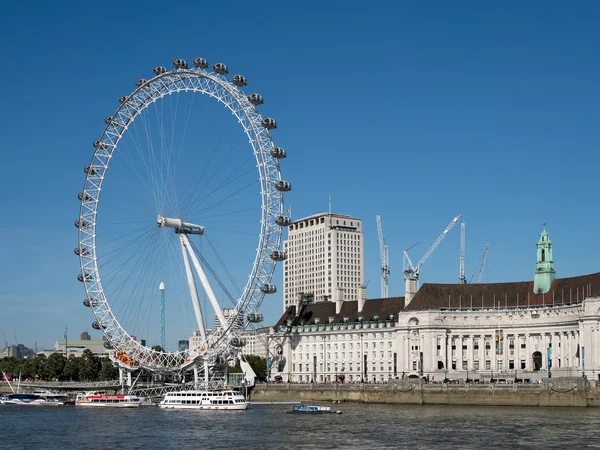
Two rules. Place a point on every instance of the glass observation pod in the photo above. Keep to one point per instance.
(239, 80)
(278, 256)
(283, 221)
(180, 64)
(278, 152)
(268, 288)
(255, 317)
(200, 63)
(283, 186)
(220, 68)
(269, 123)
(255, 99)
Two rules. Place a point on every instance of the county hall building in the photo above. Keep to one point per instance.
(517, 330)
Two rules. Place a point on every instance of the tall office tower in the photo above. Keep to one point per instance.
(325, 258)
(229, 312)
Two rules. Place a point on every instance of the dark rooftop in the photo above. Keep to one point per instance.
(491, 295)
(324, 310)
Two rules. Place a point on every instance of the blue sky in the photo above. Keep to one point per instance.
(416, 111)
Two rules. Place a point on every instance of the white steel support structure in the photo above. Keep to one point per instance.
(385, 266)
(196, 303)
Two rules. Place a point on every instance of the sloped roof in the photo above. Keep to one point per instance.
(324, 310)
(490, 295)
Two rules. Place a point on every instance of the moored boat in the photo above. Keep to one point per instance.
(204, 399)
(31, 400)
(108, 401)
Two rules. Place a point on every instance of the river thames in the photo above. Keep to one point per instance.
(271, 427)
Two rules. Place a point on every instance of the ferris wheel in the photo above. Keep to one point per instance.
(190, 191)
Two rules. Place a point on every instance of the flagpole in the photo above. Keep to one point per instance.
(66, 355)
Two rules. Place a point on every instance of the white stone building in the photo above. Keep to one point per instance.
(324, 258)
(496, 331)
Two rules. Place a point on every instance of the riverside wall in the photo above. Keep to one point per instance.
(554, 392)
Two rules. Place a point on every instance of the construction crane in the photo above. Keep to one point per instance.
(5, 341)
(461, 276)
(385, 267)
(411, 272)
(479, 271)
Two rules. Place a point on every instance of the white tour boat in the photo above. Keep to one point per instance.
(108, 401)
(230, 400)
(31, 400)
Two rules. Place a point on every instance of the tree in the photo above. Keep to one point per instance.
(108, 371)
(258, 364)
(55, 366)
(157, 348)
(89, 366)
(71, 370)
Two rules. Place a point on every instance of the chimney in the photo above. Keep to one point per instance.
(339, 299)
(362, 297)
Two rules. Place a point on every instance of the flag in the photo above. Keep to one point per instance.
(577, 353)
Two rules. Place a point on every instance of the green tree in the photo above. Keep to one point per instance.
(158, 348)
(258, 364)
(55, 366)
(71, 370)
(89, 366)
(108, 371)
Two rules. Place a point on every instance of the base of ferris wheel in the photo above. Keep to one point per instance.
(208, 375)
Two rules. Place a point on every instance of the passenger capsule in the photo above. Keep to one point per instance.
(86, 302)
(97, 326)
(278, 152)
(82, 251)
(283, 221)
(200, 63)
(220, 68)
(107, 345)
(239, 80)
(84, 196)
(99, 145)
(255, 99)
(90, 170)
(81, 224)
(283, 186)
(159, 70)
(276, 255)
(254, 317)
(237, 342)
(140, 82)
(268, 123)
(180, 64)
(268, 288)
(122, 99)
(88, 277)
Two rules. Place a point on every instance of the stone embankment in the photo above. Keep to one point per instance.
(552, 392)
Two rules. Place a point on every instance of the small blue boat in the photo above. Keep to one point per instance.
(306, 409)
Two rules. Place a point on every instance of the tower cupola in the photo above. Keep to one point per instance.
(544, 273)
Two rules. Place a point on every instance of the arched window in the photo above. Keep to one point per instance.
(543, 255)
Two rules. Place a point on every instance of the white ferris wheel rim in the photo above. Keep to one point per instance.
(215, 85)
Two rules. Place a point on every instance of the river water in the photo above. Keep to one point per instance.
(272, 427)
